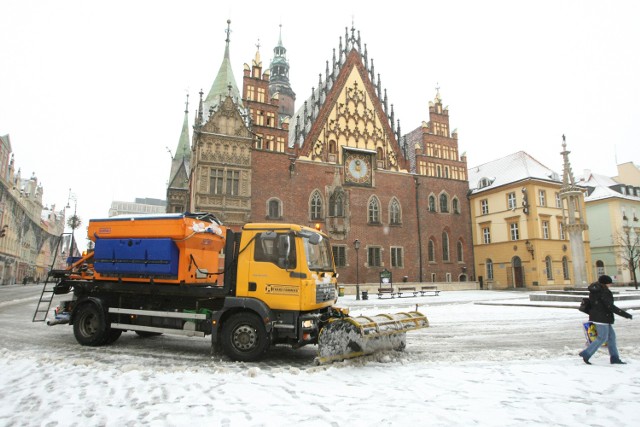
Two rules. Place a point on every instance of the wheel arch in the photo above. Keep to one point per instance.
(232, 306)
(89, 300)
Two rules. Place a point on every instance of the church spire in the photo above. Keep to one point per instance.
(279, 80)
(183, 151)
(223, 80)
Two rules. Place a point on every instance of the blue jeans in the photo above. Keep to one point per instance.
(605, 334)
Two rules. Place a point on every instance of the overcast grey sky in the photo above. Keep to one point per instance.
(92, 92)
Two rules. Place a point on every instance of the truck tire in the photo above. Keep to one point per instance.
(90, 326)
(244, 337)
(113, 335)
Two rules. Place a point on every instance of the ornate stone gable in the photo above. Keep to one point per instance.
(353, 117)
(226, 120)
(222, 166)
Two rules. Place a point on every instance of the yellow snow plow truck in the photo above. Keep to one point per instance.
(187, 274)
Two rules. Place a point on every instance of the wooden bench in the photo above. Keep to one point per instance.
(407, 290)
(386, 291)
(431, 288)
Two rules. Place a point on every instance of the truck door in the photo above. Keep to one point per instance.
(273, 271)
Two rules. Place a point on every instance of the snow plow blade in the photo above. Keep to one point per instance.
(348, 337)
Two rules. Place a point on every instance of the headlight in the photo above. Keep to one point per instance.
(306, 324)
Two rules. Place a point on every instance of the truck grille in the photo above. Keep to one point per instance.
(325, 292)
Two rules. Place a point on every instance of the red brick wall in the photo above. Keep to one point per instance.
(272, 178)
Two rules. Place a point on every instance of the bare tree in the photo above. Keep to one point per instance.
(628, 247)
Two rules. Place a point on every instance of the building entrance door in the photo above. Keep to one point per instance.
(518, 272)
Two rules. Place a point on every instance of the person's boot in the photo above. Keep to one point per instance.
(585, 359)
(617, 361)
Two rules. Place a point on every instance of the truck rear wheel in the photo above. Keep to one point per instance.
(244, 337)
(113, 336)
(90, 326)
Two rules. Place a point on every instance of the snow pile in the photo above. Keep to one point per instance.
(488, 365)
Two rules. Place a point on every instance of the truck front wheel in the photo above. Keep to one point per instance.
(90, 326)
(244, 337)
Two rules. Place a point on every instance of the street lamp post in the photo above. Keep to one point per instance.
(356, 245)
(74, 221)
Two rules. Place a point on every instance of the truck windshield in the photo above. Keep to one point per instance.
(318, 253)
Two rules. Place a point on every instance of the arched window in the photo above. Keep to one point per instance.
(445, 246)
(459, 251)
(316, 205)
(455, 205)
(336, 204)
(273, 209)
(565, 268)
(394, 212)
(444, 203)
(332, 147)
(432, 204)
(549, 267)
(374, 211)
(432, 251)
(489, 267)
(379, 153)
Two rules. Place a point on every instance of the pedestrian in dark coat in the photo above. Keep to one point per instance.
(601, 314)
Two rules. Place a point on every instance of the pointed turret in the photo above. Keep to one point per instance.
(183, 151)
(279, 81)
(224, 80)
(178, 187)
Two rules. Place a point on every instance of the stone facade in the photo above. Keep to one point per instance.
(521, 237)
(340, 163)
(31, 235)
(221, 166)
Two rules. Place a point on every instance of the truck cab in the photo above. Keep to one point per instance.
(288, 268)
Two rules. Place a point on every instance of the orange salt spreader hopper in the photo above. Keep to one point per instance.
(179, 248)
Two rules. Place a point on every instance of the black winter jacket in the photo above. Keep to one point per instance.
(602, 307)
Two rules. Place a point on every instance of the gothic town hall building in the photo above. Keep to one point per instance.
(338, 159)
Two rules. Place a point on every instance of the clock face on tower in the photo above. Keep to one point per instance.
(358, 169)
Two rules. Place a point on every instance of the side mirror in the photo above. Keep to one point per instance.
(284, 248)
(315, 238)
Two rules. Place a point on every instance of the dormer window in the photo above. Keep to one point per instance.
(554, 176)
(484, 182)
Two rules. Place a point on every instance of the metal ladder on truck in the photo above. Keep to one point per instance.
(48, 289)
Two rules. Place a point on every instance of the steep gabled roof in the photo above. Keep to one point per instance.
(182, 156)
(224, 83)
(6, 140)
(349, 79)
(512, 168)
(180, 179)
